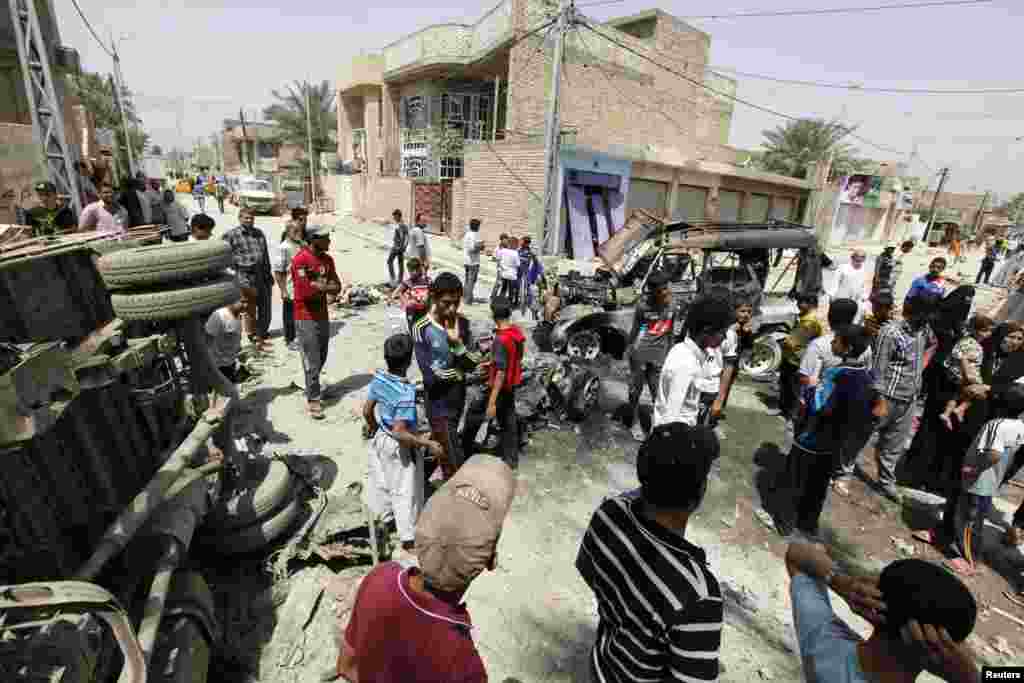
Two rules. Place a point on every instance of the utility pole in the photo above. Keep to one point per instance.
(119, 90)
(245, 142)
(309, 144)
(980, 216)
(943, 174)
(551, 235)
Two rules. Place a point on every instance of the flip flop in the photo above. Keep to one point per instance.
(929, 536)
(960, 567)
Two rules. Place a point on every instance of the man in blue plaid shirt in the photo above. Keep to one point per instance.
(252, 263)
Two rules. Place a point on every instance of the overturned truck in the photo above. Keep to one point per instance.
(118, 451)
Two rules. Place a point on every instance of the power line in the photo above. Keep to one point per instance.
(841, 10)
(721, 93)
(860, 88)
(512, 173)
(89, 26)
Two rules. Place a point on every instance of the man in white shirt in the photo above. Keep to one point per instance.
(852, 282)
(224, 336)
(692, 364)
(472, 245)
(508, 264)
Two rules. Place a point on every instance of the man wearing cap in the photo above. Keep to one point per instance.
(409, 623)
(313, 278)
(49, 217)
(660, 607)
(921, 616)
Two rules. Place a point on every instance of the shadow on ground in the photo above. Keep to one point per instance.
(254, 416)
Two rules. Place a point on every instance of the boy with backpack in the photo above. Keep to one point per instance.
(506, 373)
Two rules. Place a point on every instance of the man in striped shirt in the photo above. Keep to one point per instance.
(898, 368)
(660, 607)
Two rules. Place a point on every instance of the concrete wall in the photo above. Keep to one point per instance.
(494, 191)
(361, 70)
(375, 197)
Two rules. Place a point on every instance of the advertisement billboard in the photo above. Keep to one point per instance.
(862, 190)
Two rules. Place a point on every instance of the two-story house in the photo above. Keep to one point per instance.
(449, 121)
(258, 141)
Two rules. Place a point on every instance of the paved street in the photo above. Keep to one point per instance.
(534, 616)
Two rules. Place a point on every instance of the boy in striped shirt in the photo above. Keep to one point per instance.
(660, 607)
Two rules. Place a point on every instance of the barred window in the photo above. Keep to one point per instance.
(451, 167)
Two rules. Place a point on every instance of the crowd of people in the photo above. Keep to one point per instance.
(660, 606)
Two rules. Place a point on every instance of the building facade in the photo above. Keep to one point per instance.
(449, 122)
(256, 142)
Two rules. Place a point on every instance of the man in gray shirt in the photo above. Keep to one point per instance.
(649, 343)
(903, 347)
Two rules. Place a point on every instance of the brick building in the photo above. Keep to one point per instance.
(259, 142)
(449, 121)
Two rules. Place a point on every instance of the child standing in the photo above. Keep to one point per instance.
(985, 464)
(414, 292)
(506, 373)
(807, 328)
(291, 243)
(838, 420)
(963, 367)
(394, 486)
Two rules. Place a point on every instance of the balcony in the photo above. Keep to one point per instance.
(449, 44)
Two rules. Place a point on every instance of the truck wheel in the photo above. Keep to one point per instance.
(585, 345)
(164, 264)
(175, 304)
(255, 504)
(586, 393)
(764, 359)
(252, 538)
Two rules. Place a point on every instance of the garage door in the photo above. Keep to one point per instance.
(728, 206)
(690, 203)
(649, 195)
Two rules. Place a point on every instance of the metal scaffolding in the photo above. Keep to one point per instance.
(44, 105)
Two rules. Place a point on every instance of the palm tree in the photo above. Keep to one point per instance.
(289, 113)
(790, 147)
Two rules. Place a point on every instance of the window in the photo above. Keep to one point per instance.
(451, 167)
(415, 167)
(265, 150)
(757, 207)
(415, 112)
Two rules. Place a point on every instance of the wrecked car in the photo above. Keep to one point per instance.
(733, 263)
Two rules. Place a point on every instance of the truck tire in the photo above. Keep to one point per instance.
(174, 304)
(164, 264)
(256, 504)
(252, 538)
(189, 588)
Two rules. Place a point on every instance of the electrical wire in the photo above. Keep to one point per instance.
(512, 173)
(89, 26)
(721, 93)
(868, 89)
(841, 10)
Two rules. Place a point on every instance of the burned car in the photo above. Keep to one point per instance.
(734, 263)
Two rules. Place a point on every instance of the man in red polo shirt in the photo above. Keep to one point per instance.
(314, 277)
(409, 624)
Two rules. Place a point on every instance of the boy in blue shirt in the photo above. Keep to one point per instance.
(395, 479)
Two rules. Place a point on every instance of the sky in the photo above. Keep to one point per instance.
(193, 64)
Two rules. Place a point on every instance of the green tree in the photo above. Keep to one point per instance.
(1015, 207)
(289, 113)
(95, 93)
(789, 148)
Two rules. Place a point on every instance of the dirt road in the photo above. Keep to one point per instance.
(535, 618)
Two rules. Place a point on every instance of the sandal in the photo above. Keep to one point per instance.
(316, 411)
(929, 536)
(961, 568)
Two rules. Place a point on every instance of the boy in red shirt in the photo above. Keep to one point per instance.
(506, 373)
(414, 292)
(314, 277)
(409, 624)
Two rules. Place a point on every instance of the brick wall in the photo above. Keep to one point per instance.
(615, 98)
(494, 194)
(377, 197)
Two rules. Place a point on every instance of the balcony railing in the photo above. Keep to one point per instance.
(450, 43)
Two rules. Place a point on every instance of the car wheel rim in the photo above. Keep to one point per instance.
(762, 357)
(584, 345)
